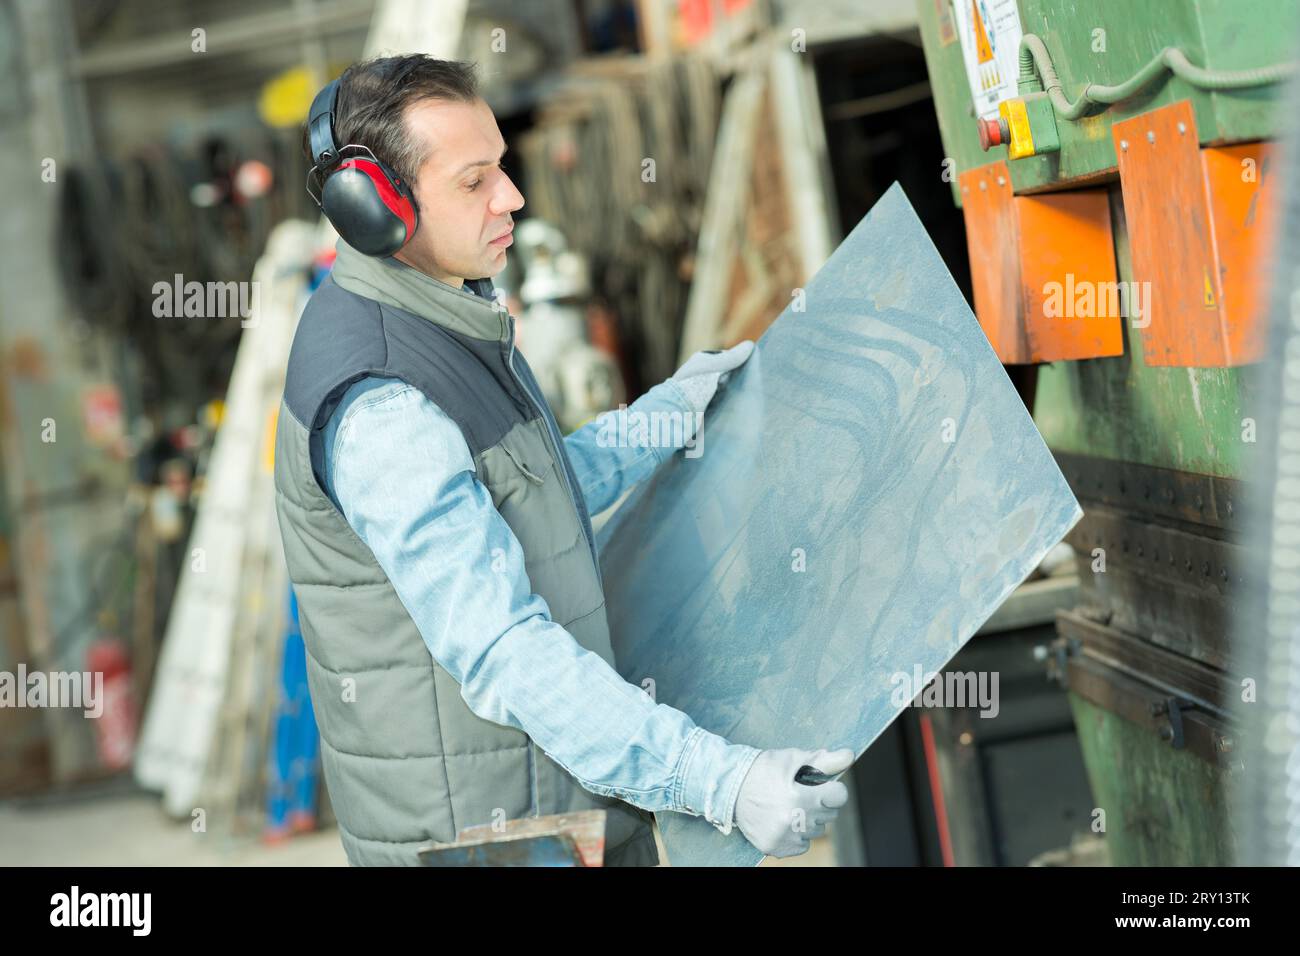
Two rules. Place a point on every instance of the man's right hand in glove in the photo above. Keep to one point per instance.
(780, 816)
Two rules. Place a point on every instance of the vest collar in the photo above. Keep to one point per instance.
(395, 283)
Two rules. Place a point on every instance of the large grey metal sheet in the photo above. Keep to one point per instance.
(875, 433)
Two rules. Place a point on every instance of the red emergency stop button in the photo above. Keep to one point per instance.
(993, 132)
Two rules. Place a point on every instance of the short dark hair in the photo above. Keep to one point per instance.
(374, 95)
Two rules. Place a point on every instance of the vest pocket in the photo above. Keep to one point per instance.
(528, 490)
(522, 466)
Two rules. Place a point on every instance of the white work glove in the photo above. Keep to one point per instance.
(780, 816)
(698, 378)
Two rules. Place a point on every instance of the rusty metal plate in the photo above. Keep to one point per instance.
(561, 839)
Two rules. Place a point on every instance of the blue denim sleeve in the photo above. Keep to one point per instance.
(609, 457)
(401, 473)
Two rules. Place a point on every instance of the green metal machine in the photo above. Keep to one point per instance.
(1087, 103)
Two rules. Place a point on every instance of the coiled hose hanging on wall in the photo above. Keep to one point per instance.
(1036, 68)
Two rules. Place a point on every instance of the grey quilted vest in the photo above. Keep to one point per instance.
(405, 759)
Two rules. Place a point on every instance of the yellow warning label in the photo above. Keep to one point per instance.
(983, 51)
(1210, 302)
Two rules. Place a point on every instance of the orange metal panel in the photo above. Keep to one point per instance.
(1037, 266)
(992, 246)
(1240, 187)
(1170, 231)
(1072, 301)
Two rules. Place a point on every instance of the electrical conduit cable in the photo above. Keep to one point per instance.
(1036, 65)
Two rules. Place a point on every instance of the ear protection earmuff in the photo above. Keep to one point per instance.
(373, 210)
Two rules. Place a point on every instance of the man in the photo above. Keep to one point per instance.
(436, 525)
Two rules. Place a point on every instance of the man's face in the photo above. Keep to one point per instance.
(464, 195)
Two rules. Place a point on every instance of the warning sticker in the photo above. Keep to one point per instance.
(990, 45)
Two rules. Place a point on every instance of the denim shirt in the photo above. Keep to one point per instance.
(400, 471)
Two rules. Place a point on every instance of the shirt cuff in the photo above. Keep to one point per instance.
(710, 777)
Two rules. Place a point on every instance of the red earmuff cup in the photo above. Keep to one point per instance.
(396, 203)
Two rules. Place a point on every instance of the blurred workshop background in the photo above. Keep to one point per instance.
(152, 147)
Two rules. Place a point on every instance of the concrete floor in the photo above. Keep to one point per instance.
(116, 825)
